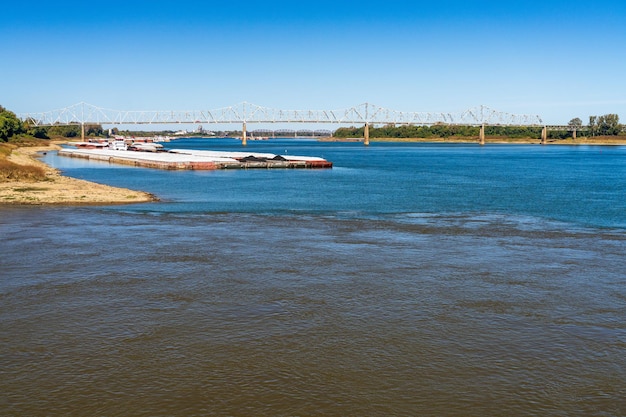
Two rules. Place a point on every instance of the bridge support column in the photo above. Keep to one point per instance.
(82, 132)
(244, 140)
(366, 134)
(481, 134)
(574, 134)
(544, 135)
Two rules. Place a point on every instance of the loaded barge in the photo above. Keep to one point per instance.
(188, 159)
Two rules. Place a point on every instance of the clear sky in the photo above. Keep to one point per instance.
(558, 59)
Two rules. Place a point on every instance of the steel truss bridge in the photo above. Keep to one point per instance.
(363, 114)
(83, 113)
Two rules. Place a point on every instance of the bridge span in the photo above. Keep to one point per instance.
(244, 113)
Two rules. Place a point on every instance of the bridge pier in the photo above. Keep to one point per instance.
(244, 140)
(481, 134)
(366, 134)
(544, 135)
(82, 132)
(574, 134)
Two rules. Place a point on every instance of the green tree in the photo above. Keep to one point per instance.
(38, 132)
(94, 130)
(593, 125)
(10, 125)
(607, 124)
(575, 123)
(31, 129)
(68, 131)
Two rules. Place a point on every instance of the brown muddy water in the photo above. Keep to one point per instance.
(114, 312)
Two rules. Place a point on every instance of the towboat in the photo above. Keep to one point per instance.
(118, 145)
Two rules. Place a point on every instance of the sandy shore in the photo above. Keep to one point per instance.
(60, 190)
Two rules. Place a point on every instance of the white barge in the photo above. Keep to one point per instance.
(188, 159)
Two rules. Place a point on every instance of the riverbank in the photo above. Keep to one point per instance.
(598, 140)
(56, 189)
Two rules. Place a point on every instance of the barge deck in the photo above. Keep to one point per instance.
(188, 159)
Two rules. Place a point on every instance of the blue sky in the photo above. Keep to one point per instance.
(557, 59)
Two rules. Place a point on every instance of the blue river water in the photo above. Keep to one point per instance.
(409, 279)
(582, 185)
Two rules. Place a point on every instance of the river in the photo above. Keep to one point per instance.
(410, 279)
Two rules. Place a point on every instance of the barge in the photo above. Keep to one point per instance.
(188, 159)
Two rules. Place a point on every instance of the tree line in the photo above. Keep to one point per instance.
(606, 125)
(11, 126)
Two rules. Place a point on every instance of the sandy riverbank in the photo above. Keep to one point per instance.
(57, 189)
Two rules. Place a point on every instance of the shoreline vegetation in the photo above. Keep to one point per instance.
(596, 140)
(25, 180)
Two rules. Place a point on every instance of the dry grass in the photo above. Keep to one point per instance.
(26, 180)
(5, 150)
(10, 171)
